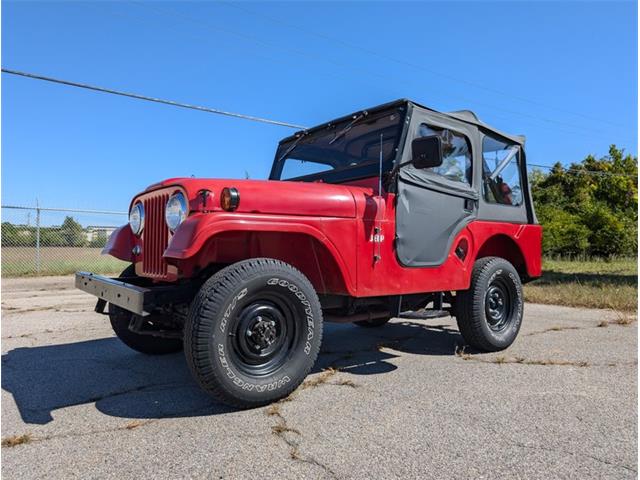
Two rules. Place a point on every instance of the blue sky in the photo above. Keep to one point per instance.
(563, 74)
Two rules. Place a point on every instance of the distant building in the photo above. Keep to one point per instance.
(94, 232)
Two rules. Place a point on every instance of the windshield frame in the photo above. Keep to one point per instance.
(348, 173)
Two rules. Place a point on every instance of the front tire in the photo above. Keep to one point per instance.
(253, 332)
(489, 313)
(147, 344)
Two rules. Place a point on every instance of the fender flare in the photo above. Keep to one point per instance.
(120, 244)
(196, 230)
(501, 245)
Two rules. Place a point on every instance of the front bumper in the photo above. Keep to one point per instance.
(141, 300)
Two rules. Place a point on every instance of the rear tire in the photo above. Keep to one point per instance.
(489, 313)
(253, 332)
(147, 344)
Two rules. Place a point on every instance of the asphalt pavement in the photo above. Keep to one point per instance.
(400, 401)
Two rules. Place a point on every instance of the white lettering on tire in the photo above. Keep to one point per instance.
(230, 308)
(307, 308)
(244, 385)
(239, 382)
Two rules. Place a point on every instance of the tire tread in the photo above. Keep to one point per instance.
(199, 324)
(469, 306)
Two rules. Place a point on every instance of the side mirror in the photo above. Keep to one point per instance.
(426, 152)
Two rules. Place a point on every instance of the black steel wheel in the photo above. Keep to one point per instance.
(497, 304)
(489, 314)
(253, 332)
(262, 335)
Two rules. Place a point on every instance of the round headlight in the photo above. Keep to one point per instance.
(136, 218)
(176, 210)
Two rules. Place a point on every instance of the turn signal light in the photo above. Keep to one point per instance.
(229, 199)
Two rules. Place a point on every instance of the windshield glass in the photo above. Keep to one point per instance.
(341, 152)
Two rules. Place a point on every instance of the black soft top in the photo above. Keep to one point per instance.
(466, 116)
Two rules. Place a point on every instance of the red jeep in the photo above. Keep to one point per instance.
(393, 209)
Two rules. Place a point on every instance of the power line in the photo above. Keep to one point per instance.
(192, 33)
(369, 51)
(173, 14)
(152, 99)
(578, 171)
(230, 114)
(44, 209)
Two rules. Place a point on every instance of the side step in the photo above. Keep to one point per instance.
(424, 314)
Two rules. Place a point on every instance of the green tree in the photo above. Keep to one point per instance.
(52, 237)
(564, 232)
(608, 235)
(72, 233)
(17, 235)
(99, 240)
(589, 207)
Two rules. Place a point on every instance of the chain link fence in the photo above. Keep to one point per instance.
(57, 241)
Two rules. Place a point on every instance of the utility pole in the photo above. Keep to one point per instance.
(37, 236)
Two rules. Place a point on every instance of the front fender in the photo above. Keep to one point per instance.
(194, 233)
(120, 244)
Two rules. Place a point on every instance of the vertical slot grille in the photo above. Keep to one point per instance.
(155, 236)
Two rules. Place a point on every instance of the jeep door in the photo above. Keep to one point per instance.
(434, 204)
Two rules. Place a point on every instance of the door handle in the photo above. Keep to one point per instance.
(469, 204)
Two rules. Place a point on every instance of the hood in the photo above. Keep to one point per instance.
(269, 196)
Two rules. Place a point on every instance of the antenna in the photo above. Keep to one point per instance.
(380, 169)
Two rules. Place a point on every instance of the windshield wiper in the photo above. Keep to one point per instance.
(355, 120)
(293, 145)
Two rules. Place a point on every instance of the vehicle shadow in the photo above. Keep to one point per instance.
(127, 384)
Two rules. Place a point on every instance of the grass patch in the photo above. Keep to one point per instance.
(134, 424)
(622, 318)
(501, 360)
(21, 261)
(460, 352)
(346, 383)
(273, 410)
(590, 283)
(16, 440)
(525, 361)
(319, 379)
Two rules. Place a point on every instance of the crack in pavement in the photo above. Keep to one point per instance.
(131, 425)
(283, 431)
(556, 329)
(459, 352)
(98, 398)
(623, 321)
(291, 436)
(36, 439)
(502, 360)
(578, 454)
(55, 308)
(506, 436)
(70, 329)
(566, 452)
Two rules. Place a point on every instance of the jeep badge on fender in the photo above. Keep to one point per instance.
(391, 209)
